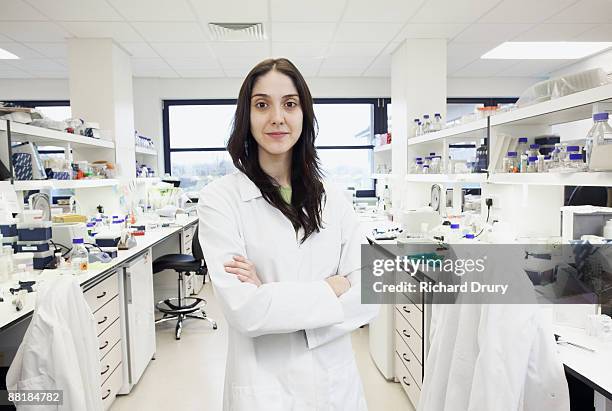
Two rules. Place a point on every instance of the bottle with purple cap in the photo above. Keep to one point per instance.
(598, 148)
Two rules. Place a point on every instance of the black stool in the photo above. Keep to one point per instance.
(181, 308)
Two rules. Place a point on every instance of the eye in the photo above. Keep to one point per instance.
(261, 104)
(291, 104)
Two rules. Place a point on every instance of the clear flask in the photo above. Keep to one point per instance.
(79, 259)
(598, 146)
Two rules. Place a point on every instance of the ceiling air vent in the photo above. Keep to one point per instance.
(237, 31)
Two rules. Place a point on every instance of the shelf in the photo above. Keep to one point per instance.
(577, 106)
(59, 184)
(146, 151)
(447, 178)
(46, 136)
(383, 148)
(556, 179)
(381, 176)
(144, 180)
(462, 130)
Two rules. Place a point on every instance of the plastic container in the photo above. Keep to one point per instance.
(454, 234)
(30, 216)
(36, 231)
(24, 258)
(436, 124)
(79, 258)
(511, 163)
(416, 127)
(31, 246)
(42, 259)
(9, 228)
(107, 240)
(534, 150)
(522, 146)
(598, 147)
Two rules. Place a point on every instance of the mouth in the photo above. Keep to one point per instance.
(277, 134)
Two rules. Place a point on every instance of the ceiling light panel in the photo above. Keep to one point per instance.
(560, 50)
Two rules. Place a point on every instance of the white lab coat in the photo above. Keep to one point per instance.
(499, 357)
(60, 349)
(289, 339)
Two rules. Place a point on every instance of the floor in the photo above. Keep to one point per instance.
(188, 374)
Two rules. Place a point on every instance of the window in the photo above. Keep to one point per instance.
(196, 133)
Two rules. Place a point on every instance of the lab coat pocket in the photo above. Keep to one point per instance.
(40, 382)
(257, 398)
(345, 390)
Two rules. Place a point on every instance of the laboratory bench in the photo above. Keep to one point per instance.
(125, 325)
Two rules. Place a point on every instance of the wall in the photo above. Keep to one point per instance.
(603, 60)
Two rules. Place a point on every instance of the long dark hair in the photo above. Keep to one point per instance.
(306, 177)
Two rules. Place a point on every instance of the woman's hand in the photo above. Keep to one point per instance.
(339, 284)
(244, 270)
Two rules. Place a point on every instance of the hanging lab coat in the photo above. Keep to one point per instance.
(60, 349)
(289, 339)
(493, 356)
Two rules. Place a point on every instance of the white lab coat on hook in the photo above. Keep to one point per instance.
(289, 339)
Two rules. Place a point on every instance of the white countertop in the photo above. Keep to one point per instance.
(8, 313)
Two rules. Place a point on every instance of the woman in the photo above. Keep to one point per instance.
(283, 253)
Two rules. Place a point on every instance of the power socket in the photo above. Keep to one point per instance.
(489, 202)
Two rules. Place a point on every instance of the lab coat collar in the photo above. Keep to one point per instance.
(248, 189)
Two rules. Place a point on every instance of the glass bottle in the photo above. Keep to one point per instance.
(79, 259)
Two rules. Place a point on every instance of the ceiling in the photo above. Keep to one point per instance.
(326, 38)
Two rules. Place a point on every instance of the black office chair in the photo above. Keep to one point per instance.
(182, 307)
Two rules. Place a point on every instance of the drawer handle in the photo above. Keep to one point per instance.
(105, 345)
(106, 318)
(405, 381)
(106, 370)
(405, 357)
(101, 295)
(107, 394)
(403, 332)
(405, 310)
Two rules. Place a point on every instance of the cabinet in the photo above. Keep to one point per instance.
(103, 300)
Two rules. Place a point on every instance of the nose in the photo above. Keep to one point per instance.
(278, 117)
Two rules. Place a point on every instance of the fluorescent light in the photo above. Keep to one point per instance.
(5, 55)
(545, 50)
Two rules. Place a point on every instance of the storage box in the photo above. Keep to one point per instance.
(41, 260)
(31, 246)
(107, 240)
(8, 229)
(22, 163)
(111, 251)
(36, 231)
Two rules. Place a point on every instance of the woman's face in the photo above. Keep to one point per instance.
(276, 113)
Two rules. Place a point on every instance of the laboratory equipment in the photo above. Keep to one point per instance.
(108, 239)
(79, 258)
(531, 164)
(418, 221)
(577, 221)
(522, 145)
(32, 246)
(576, 162)
(40, 260)
(34, 231)
(599, 144)
(64, 233)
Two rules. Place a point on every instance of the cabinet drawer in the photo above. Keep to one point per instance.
(109, 338)
(408, 358)
(414, 341)
(110, 362)
(413, 315)
(408, 383)
(111, 387)
(415, 297)
(187, 249)
(107, 315)
(102, 293)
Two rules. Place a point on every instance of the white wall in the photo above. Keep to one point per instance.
(603, 60)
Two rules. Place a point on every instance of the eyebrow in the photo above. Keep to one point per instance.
(266, 95)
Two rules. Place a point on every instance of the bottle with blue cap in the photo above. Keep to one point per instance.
(79, 258)
(598, 147)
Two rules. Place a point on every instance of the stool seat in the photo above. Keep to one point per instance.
(177, 262)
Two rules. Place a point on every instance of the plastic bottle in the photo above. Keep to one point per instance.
(415, 127)
(426, 124)
(387, 197)
(532, 164)
(455, 234)
(540, 163)
(426, 169)
(524, 163)
(569, 150)
(534, 150)
(419, 167)
(436, 124)
(79, 259)
(510, 164)
(522, 147)
(599, 135)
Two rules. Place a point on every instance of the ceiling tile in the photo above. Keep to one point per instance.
(152, 68)
(380, 68)
(10, 72)
(20, 50)
(307, 66)
(491, 32)
(41, 31)
(533, 68)
(293, 50)
(231, 11)
(306, 32)
(19, 10)
(51, 50)
(154, 10)
(461, 54)
(381, 10)
(306, 11)
(259, 49)
(553, 32)
(238, 63)
(186, 32)
(155, 73)
(179, 49)
(193, 63)
(237, 73)
(363, 32)
(484, 68)
(52, 74)
(355, 49)
(444, 11)
(326, 71)
(77, 10)
(602, 32)
(344, 66)
(431, 31)
(33, 65)
(524, 11)
(139, 49)
(191, 73)
(585, 11)
(118, 31)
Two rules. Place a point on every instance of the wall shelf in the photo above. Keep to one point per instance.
(45, 136)
(554, 179)
(383, 148)
(447, 178)
(66, 184)
(379, 176)
(462, 130)
(146, 151)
